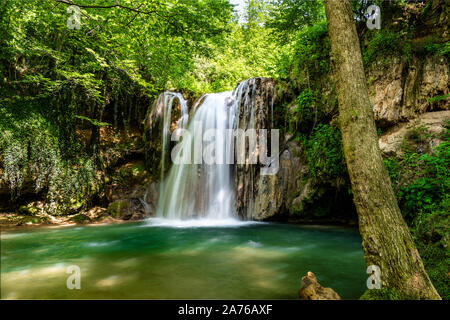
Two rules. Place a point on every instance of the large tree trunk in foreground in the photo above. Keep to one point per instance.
(386, 239)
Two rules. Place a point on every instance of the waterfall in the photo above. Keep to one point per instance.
(200, 189)
(166, 100)
(219, 190)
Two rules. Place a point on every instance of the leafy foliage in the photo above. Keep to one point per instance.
(383, 43)
(304, 67)
(324, 152)
(422, 183)
(93, 121)
(434, 46)
(58, 85)
(309, 53)
(289, 16)
(421, 180)
(31, 150)
(248, 53)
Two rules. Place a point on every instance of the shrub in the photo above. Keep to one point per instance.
(306, 113)
(311, 51)
(384, 43)
(433, 46)
(427, 180)
(422, 182)
(325, 153)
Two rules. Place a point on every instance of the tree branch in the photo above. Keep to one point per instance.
(70, 3)
(136, 10)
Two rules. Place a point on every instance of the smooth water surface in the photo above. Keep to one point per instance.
(157, 260)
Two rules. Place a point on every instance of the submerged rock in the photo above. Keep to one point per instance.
(312, 290)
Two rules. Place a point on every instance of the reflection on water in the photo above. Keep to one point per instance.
(155, 260)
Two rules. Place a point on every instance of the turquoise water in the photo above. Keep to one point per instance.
(152, 260)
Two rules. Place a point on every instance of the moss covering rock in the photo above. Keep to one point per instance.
(80, 218)
(119, 209)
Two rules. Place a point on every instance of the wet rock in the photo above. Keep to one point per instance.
(96, 213)
(28, 186)
(130, 192)
(298, 202)
(32, 220)
(119, 209)
(139, 203)
(267, 198)
(312, 290)
(258, 196)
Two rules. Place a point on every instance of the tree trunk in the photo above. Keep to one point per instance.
(386, 240)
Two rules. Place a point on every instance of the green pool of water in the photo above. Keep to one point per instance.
(156, 261)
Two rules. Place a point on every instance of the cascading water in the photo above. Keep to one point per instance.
(215, 190)
(200, 189)
(166, 100)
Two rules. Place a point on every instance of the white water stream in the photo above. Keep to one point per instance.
(201, 190)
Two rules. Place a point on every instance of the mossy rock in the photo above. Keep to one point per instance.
(118, 208)
(138, 169)
(131, 170)
(100, 216)
(80, 218)
(113, 208)
(296, 208)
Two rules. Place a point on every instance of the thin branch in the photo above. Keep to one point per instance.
(70, 3)
(136, 10)
(134, 17)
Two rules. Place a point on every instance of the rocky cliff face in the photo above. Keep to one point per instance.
(167, 105)
(408, 95)
(403, 90)
(261, 197)
(391, 141)
(254, 111)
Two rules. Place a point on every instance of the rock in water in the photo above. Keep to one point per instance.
(312, 290)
